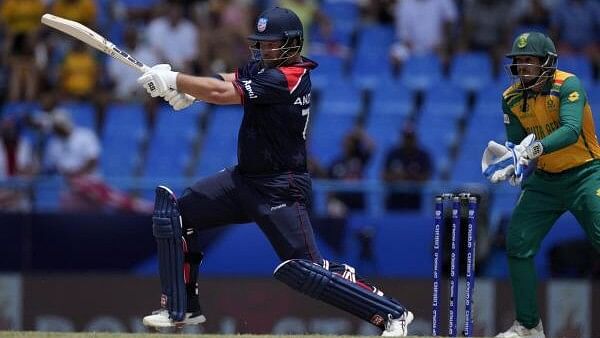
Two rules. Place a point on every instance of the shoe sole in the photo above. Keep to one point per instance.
(190, 321)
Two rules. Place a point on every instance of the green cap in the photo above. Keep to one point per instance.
(532, 43)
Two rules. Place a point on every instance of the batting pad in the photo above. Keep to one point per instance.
(166, 227)
(331, 288)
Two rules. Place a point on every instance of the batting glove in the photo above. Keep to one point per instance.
(178, 100)
(158, 80)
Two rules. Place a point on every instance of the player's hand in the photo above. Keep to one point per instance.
(524, 155)
(178, 100)
(497, 162)
(158, 80)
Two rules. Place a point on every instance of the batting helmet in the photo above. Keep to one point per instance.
(533, 44)
(277, 24)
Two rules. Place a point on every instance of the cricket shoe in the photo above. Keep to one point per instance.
(398, 327)
(519, 331)
(160, 319)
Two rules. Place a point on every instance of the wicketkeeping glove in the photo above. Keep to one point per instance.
(523, 155)
(497, 162)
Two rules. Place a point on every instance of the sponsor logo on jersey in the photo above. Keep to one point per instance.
(574, 96)
(249, 89)
(506, 119)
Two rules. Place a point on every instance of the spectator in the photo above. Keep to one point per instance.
(173, 38)
(83, 11)
(17, 161)
(406, 163)
(423, 34)
(226, 46)
(79, 73)
(74, 153)
(357, 150)
(487, 27)
(21, 22)
(309, 13)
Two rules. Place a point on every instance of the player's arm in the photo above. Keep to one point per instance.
(227, 77)
(161, 81)
(572, 102)
(209, 89)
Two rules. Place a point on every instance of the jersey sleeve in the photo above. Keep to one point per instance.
(514, 129)
(572, 102)
(264, 87)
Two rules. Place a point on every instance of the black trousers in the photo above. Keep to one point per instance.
(277, 203)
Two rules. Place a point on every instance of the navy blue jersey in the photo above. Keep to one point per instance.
(276, 104)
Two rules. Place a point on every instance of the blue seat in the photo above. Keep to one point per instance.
(219, 144)
(170, 145)
(490, 96)
(421, 71)
(47, 193)
(343, 98)
(326, 134)
(391, 98)
(21, 107)
(371, 60)
(330, 71)
(445, 100)
(82, 113)
(343, 14)
(579, 65)
(384, 130)
(482, 128)
(471, 70)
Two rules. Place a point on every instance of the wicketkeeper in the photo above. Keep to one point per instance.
(561, 154)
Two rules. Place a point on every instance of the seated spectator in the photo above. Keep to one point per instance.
(406, 163)
(358, 147)
(74, 153)
(21, 22)
(17, 162)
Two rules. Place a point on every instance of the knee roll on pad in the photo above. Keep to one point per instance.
(166, 227)
(332, 288)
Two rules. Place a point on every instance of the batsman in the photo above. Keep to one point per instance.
(553, 154)
(270, 184)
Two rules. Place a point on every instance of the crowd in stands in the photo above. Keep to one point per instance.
(43, 73)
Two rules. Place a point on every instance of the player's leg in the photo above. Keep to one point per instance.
(584, 201)
(287, 225)
(338, 285)
(209, 203)
(538, 208)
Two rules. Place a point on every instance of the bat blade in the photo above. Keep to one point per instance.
(93, 39)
